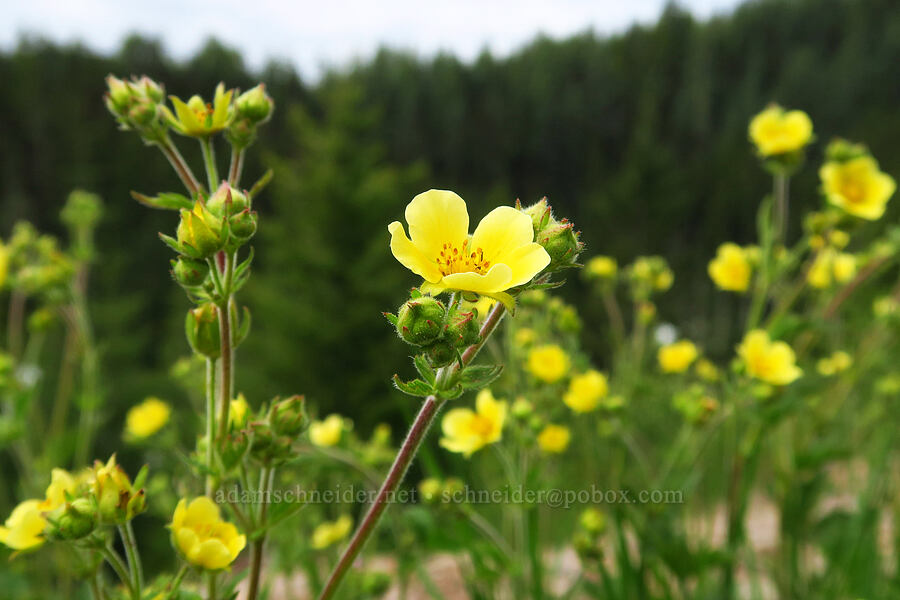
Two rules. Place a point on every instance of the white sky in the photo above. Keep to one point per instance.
(328, 32)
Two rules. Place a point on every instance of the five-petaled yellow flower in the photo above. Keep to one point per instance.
(146, 418)
(202, 537)
(549, 363)
(858, 186)
(24, 528)
(730, 270)
(772, 362)
(329, 533)
(554, 438)
(601, 267)
(467, 431)
(677, 357)
(327, 432)
(586, 391)
(196, 118)
(775, 131)
(499, 255)
(831, 265)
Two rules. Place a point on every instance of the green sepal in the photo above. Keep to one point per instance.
(424, 369)
(391, 317)
(415, 293)
(478, 376)
(175, 245)
(416, 387)
(165, 201)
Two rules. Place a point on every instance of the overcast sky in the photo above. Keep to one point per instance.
(328, 32)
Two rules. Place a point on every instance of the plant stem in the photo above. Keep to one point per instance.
(227, 356)
(212, 580)
(181, 167)
(175, 584)
(614, 314)
(267, 478)
(430, 408)
(210, 422)
(90, 392)
(15, 323)
(780, 184)
(134, 559)
(209, 160)
(96, 587)
(115, 561)
(236, 166)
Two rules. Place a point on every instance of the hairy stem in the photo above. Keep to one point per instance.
(227, 356)
(134, 559)
(178, 163)
(210, 422)
(115, 561)
(209, 160)
(174, 585)
(267, 478)
(235, 168)
(430, 408)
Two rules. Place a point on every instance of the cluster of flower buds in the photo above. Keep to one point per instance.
(118, 499)
(138, 105)
(649, 275)
(273, 435)
(426, 323)
(252, 109)
(36, 266)
(558, 237)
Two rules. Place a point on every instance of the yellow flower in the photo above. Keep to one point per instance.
(146, 418)
(857, 186)
(24, 528)
(586, 391)
(730, 269)
(664, 280)
(61, 483)
(554, 438)
(819, 275)
(839, 239)
(707, 370)
(601, 267)
(196, 118)
(4, 262)
(327, 432)
(500, 254)
(836, 363)
(772, 362)
(677, 357)
(524, 336)
(237, 411)
(202, 537)
(549, 363)
(844, 267)
(467, 431)
(776, 131)
(329, 533)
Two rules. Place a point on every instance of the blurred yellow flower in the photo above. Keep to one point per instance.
(500, 254)
(524, 336)
(858, 186)
(467, 431)
(202, 537)
(196, 118)
(554, 438)
(730, 270)
(4, 262)
(61, 483)
(707, 370)
(593, 520)
(237, 411)
(839, 239)
(331, 532)
(829, 266)
(549, 363)
(585, 391)
(24, 528)
(836, 363)
(601, 267)
(844, 267)
(327, 432)
(664, 280)
(776, 131)
(677, 357)
(772, 362)
(885, 306)
(146, 418)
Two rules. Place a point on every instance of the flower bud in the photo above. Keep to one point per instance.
(440, 354)
(419, 320)
(243, 225)
(241, 133)
(541, 215)
(199, 232)
(375, 584)
(151, 89)
(841, 150)
(522, 408)
(237, 412)
(255, 104)
(430, 489)
(462, 330)
(118, 97)
(189, 272)
(233, 448)
(118, 499)
(267, 446)
(202, 329)
(142, 113)
(72, 521)
(288, 417)
(227, 201)
(561, 242)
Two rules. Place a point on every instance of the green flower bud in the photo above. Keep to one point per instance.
(840, 150)
(119, 95)
(567, 320)
(227, 201)
(202, 329)
(419, 320)
(142, 113)
(592, 520)
(118, 499)
(453, 488)
(82, 210)
(255, 104)
(199, 232)
(74, 520)
(151, 89)
(462, 330)
(233, 448)
(267, 446)
(430, 489)
(440, 354)
(241, 133)
(189, 272)
(561, 242)
(375, 584)
(541, 215)
(288, 416)
(243, 225)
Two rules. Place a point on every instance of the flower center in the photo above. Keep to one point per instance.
(481, 426)
(853, 190)
(461, 259)
(204, 112)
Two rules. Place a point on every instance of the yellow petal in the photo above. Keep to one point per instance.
(201, 510)
(180, 513)
(236, 544)
(502, 231)
(457, 422)
(410, 256)
(211, 554)
(526, 262)
(186, 117)
(496, 279)
(186, 540)
(437, 217)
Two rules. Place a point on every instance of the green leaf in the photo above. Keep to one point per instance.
(451, 393)
(416, 387)
(424, 369)
(478, 376)
(165, 201)
(261, 184)
(242, 330)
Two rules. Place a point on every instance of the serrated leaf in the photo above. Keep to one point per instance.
(478, 376)
(244, 265)
(261, 184)
(424, 369)
(452, 393)
(416, 387)
(165, 201)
